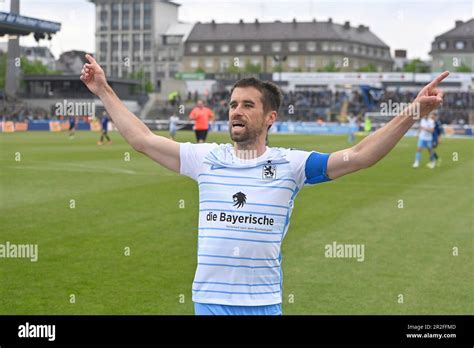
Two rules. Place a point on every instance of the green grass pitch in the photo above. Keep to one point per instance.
(136, 204)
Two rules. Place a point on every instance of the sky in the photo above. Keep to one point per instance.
(401, 24)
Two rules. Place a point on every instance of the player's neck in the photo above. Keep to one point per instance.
(250, 151)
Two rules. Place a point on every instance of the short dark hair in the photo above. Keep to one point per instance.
(271, 93)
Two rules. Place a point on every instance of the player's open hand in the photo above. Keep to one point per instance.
(430, 97)
(93, 76)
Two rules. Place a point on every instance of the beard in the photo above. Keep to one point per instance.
(246, 136)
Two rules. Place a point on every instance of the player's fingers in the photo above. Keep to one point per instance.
(432, 100)
(90, 58)
(438, 79)
(439, 93)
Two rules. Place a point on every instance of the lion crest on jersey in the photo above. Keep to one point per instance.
(239, 199)
(269, 171)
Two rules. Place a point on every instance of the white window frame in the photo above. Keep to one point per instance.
(255, 61)
(293, 62)
(311, 46)
(310, 62)
(209, 63)
(194, 63)
(224, 63)
(293, 46)
(256, 48)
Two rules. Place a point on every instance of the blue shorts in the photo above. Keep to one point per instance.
(216, 309)
(425, 143)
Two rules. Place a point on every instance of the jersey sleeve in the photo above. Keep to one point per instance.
(191, 158)
(309, 167)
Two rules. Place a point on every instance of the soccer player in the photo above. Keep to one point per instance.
(72, 126)
(201, 116)
(247, 190)
(437, 132)
(425, 140)
(105, 124)
(173, 126)
(352, 128)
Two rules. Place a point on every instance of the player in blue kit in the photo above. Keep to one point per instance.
(247, 189)
(437, 132)
(72, 126)
(104, 122)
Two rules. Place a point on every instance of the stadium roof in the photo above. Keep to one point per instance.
(261, 31)
(14, 24)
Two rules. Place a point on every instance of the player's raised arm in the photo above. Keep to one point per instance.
(163, 150)
(375, 146)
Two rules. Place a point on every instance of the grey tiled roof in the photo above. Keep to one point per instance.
(276, 31)
(465, 30)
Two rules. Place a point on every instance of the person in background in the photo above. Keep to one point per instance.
(352, 128)
(425, 140)
(72, 127)
(105, 125)
(438, 131)
(201, 116)
(173, 126)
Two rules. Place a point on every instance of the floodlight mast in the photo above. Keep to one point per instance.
(12, 82)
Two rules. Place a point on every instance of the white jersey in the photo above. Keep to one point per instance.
(173, 122)
(244, 214)
(427, 123)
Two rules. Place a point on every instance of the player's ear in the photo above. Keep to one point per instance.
(271, 118)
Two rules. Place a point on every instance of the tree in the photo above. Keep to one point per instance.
(233, 69)
(145, 86)
(331, 67)
(252, 68)
(27, 68)
(368, 68)
(36, 68)
(417, 66)
(200, 70)
(463, 68)
(278, 68)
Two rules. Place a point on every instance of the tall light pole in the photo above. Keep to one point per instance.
(12, 83)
